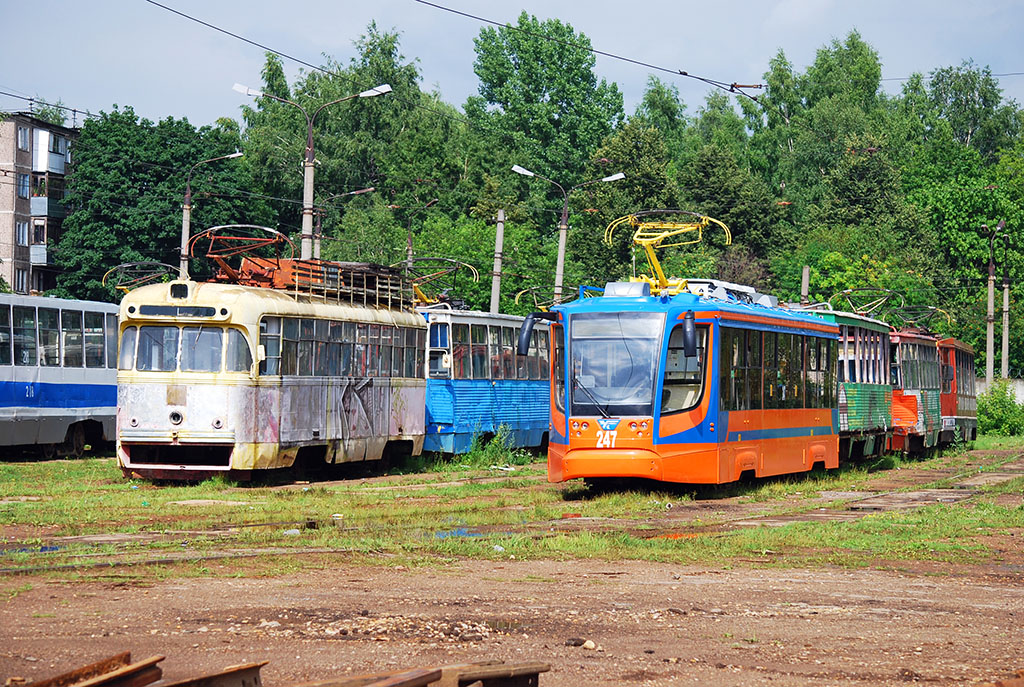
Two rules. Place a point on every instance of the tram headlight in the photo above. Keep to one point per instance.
(585, 426)
(575, 425)
(175, 417)
(632, 426)
(643, 425)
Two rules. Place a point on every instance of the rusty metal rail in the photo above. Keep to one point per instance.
(119, 671)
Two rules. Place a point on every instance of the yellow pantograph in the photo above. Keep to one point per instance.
(664, 233)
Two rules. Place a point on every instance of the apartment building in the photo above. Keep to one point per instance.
(34, 157)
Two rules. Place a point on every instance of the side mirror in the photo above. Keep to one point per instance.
(526, 330)
(689, 335)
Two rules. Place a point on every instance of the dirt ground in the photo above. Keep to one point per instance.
(593, 622)
(652, 624)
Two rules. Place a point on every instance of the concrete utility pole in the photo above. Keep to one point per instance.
(563, 224)
(1006, 309)
(990, 318)
(805, 286)
(499, 244)
(306, 250)
(186, 213)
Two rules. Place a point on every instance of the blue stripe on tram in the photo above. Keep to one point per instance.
(45, 395)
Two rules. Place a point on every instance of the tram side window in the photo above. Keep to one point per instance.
(413, 351)
(478, 352)
(239, 357)
(421, 354)
(438, 349)
(827, 363)
(289, 346)
(740, 369)
(348, 341)
(305, 348)
(373, 357)
(25, 336)
(508, 356)
(557, 335)
(71, 337)
(111, 341)
(127, 359)
(460, 352)
(397, 358)
(49, 337)
(158, 349)
(384, 364)
(361, 349)
(544, 353)
(815, 373)
(5, 334)
(94, 340)
(494, 337)
(772, 394)
(533, 360)
(336, 334)
(683, 385)
(321, 356)
(270, 339)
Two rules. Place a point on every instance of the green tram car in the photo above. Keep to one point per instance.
(865, 386)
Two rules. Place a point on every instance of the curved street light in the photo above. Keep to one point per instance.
(186, 212)
(563, 224)
(306, 250)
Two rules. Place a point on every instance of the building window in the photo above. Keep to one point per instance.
(38, 232)
(58, 144)
(21, 233)
(20, 281)
(23, 138)
(23, 184)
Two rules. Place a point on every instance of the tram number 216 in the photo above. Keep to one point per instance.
(606, 438)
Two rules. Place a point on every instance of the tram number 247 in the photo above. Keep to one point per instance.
(606, 438)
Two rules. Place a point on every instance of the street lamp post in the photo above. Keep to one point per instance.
(186, 212)
(563, 224)
(319, 232)
(306, 250)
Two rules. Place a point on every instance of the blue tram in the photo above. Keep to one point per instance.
(476, 384)
(58, 373)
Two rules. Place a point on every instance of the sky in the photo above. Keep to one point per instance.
(93, 55)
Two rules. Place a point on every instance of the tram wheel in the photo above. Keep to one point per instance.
(48, 451)
(76, 440)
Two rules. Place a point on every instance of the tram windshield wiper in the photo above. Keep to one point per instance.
(577, 384)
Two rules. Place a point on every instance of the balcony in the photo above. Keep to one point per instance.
(37, 254)
(47, 207)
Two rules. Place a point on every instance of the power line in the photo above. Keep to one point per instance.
(729, 87)
(279, 53)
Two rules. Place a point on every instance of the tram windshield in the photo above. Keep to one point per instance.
(189, 349)
(613, 362)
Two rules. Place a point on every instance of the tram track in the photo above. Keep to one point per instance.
(81, 554)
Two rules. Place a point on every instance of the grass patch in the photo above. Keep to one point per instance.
(467, 508)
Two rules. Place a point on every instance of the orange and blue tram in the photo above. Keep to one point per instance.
(703, 383)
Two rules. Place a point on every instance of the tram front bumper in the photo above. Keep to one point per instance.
(572, 464)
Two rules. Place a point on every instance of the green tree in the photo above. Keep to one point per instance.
(540, 104)
(125, 192)
(969, 98)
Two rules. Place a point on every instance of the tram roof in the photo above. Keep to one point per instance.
(252, 302)
(752, 315)
(851, 318)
